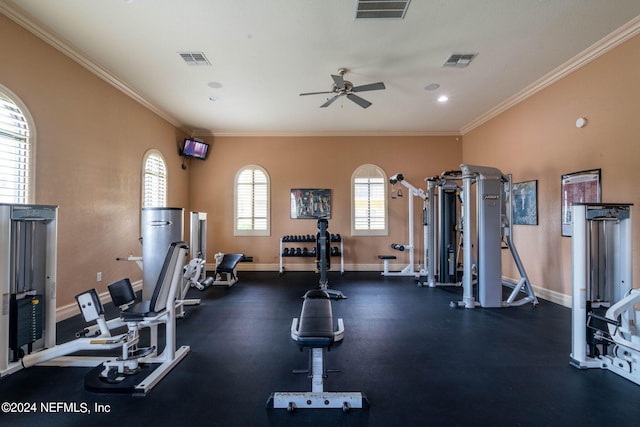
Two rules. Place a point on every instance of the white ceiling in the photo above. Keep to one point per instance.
(264, 53)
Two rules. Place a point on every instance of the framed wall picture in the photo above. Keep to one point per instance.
(578, 187)
(310, 203)
(524, 201)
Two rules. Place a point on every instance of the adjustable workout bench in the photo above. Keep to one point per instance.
(314, 330)
(226, 265)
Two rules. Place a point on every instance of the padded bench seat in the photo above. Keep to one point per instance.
(385, 259)
(229, 263)
(315, 328)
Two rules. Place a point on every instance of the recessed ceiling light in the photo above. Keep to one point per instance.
(213, 98)
(432, 86)
(215, 85)
(443, 98)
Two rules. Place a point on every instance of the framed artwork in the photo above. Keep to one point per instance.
(524, 201)
(310, 203)
(578, 187)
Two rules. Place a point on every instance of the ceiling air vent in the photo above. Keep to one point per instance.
(195, 59)
(381, 9)
(459, 60)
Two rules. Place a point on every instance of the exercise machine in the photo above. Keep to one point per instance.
(28, 257)
(323, 258)
(198, 238)
(195, 272)
(492, 228)
(136, 370)
(410, 269)
(226, 273)
(444, 229)
(314, 330)
(604, 314)
(160, 227)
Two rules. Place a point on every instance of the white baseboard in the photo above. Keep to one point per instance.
(309, 266)
(553, 296)
(546, 294)
(542, 293)
(71, 310)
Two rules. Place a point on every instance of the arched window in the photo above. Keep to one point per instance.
(154, 180)
(17, 154)
(252, 200)
(369, 201)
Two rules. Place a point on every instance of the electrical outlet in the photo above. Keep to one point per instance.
(99, 276)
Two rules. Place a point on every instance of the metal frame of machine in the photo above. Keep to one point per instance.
(28, 266)
(493, 228)
(409, 269)
(604, 317)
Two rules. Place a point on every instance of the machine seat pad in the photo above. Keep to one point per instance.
(137, 311)
(315, 328)
(229, 262)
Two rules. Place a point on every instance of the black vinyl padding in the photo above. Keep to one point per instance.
(229, 262)
(122, 292)
(155, 305)
(315, 327)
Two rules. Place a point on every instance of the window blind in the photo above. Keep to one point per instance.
(15, 153)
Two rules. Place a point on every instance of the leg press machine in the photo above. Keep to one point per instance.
(136, 370)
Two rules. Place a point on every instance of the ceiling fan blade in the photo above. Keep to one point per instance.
(330, 101)
(361, 102)
(315, 93)
(338, 80)
(371, 86)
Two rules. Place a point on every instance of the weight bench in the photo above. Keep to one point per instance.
(315, 330)
(385, 259)
(226, 265)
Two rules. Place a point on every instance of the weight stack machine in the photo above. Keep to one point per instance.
(602, 274)
(28, 251)
(160, 228)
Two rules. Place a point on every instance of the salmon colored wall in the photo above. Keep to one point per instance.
(90, 141)
(538, 139)
(91, 138)
(314, 162)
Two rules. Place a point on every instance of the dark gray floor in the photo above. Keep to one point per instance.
(419, 362)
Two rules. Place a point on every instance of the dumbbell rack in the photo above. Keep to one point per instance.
(309, 239)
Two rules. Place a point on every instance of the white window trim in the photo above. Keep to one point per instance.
(148, 153)
(385, 231)
(31, 192)
(237, 232)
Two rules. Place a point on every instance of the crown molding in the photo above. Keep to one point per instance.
(48, 36)
(319, 133)
(619, 36)
(610, 42)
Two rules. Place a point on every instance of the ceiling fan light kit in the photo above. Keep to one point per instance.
(342, 87)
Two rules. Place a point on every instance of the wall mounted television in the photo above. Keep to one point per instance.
(194, 149)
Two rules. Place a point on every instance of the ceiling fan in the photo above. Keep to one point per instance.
(342, 87)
